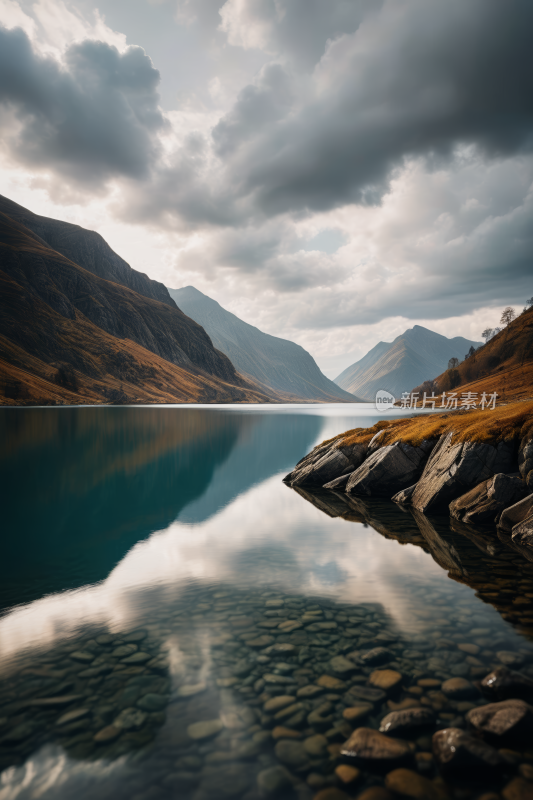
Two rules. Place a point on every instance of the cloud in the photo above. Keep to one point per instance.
(90, 118)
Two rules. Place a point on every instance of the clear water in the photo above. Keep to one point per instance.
(149, 558)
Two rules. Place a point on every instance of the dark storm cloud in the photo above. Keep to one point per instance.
(91, 118)
(418, 78)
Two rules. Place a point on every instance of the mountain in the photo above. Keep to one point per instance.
(504, 365)
(413, 357)
(277, 363)
(67, 334)
(87, 249)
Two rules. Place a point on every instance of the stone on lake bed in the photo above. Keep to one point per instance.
(518, 789)
(458, 688)
(471, 649)
(72, 716)
(107, 734)
(342, 665)
(134, 636)
(275, 703)
(277, 679)
(280, 732)
(82, 656)
(190, 689)
(408, 783)
(204, 730)
(429, 683)
(506, 683)
(273, 780)
(124, 650)
(346, 773)
(453, 748)
(284, 648)
(291, 752)
(357, 712)
(316, 746)
(130, 719)
(377, 656)
(505, 717)
(18, 733)
(385, 678)
(260, 642)
(509, 658)
(367, 744)
(62, 700)
(406, 720)
(329, 682)
(153, 702)
(309, 691)
(332, 793)
(137, 658)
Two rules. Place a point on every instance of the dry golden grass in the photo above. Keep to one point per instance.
(494, 425)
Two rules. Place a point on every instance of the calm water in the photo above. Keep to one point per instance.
(171, 609)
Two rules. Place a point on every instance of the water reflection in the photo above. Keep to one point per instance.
(208, 606)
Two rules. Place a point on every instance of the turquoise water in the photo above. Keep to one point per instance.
(160, 585)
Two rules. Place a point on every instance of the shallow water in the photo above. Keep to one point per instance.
(157, 574)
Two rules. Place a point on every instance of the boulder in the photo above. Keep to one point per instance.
(389, 469)
(523, 532)
(453, 748)
(407, 720)
(504, 718)
(454, 468)
(404, 497)
(525, 457)
(372, 747)
(326, 463)
(503, 683)
(515, 514)
(486, 501)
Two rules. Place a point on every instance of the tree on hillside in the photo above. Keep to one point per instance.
(453, 363)
(470, 352)
(487, 334)
(528, 305)
(508, 315)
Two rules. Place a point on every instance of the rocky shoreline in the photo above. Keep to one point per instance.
(479, 482)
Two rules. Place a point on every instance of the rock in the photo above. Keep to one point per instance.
(320, 717)
(389, 470)
(243, 668)
(189, 690)
(275, 703)
(525, 456)
(82, 656)
(130, 719)
(404, 497)
(18, 733)
(505, 683)
(280, 649)
(72, 716)
(137, 658)
(328, 682)
(342, 665)
(260, 642)
(326, 463)
(385, 679)
(62, 700)
(458, 688)
(289, 713)
(153, 702)
(365, 693)
(281, 732)
(273, 780)
(509, 658)
(124, 650)
(107, 734)
(505, 717)
(368, 745)
(515, 514)
(204, 730)
(522, 533)
(456, 749)
(408, 783)
(471, 649)
(518, 789)
(455, 468)
(398, 722)
(347, 774)
(377, 656)
(224, 781)
(309, 691)
(331, 793)
(357, 712)
(316, 746)
(291, 752)
(339, 483)
(375, 793)
(485, 502)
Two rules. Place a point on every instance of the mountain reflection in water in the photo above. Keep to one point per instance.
(161, 586)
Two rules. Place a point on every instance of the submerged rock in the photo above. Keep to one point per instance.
(366, 744)
(454, 468)
(487, 500)
(407, 720)
(500, 719)
(506, 683)
(456, 749)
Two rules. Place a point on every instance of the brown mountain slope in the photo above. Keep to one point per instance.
(118, 345)
(87, 249)
(503, 365)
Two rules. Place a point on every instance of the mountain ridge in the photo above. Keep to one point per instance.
(279, 363)
(417, 353)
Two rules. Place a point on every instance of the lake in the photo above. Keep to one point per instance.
(177, 623)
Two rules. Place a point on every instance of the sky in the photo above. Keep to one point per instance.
(331, 171)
